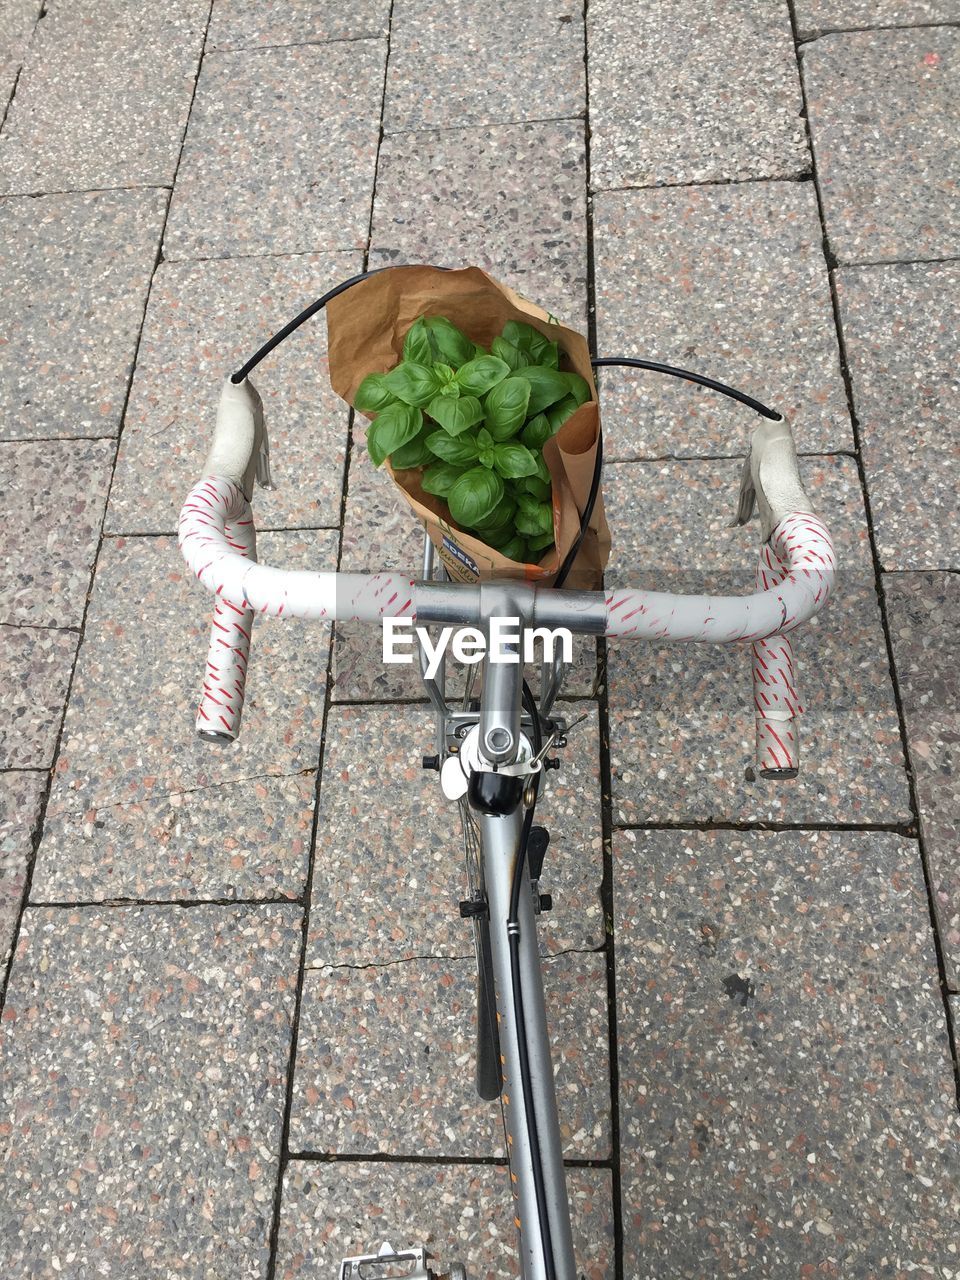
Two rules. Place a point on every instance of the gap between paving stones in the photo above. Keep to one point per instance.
(831, 262)
(388, 964)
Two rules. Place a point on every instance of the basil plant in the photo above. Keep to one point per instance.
(475, 423)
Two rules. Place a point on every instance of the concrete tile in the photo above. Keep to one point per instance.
(129, 731)
(388, 852)
(922, 610)
(509, 199)
(17, 21)
(145, 1055)
(35, 666)
(104, 96)
(281, 152)
(681, 93)
(21, 799)
(816, 16)
(247, 839)
(787, 1102)
(681, 721)
(246, 24)
(375, 1039)
(729, 281)
(75, 271)
(899, 325)
(52, 527)
(885, 122)
(461, 1213)
(444, 70)
(204, 320)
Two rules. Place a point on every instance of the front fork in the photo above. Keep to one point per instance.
(500, 837)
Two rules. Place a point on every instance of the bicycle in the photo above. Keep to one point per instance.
(491, 752)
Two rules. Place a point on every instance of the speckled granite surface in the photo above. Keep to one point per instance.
(53, 495)
(461, 1213)
(129, 730)
(375, 1038)
(35, 667)
(815, 16)
(463, 63)
(301, 179)
(144, 1058)
(885, 121)
(388, 845)
(786, 1094)
(204, 320)
(103, 96)
(17, 21)
(75, 271)
(685, 93)
(922, 609)
(681, 717)
(245, 24)
(509, 198)
(900, 325)
(21, 796)
(726, 281)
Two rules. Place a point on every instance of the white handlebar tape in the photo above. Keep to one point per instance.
(775, 689)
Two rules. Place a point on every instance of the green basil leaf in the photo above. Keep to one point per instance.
(440, 478)
(476, 377)
(455, 416)
(543, 471)
(515, 549)
(391, 428)
(453, 347)
(527, 338)
(505, 407)
(372, 395)
(559, 413)
(541, 543)
(419, 345)
(487, 457)
(412, 383)
(527, 505)
(549, 356)
(451, 390)
(474, 496)
(508, 353)
(537, 432)
(546, 386)
(502, 514)
(484, 438)
(513, 460)
(535, 521)
(460, 450)
(444, 373)
(579, 387)
(537, 488)
(415, 453)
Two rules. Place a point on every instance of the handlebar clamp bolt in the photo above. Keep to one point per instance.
(431, 762)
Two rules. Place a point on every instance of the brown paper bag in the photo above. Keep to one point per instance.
(367, 325)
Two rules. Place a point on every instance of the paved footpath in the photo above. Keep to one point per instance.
(236, 1037)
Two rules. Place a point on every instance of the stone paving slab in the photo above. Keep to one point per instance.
(247, 839)
(17, 21)
(74, 276)
(816, 16)
(204, 320)
(103, 96)
(129, 730)
(281, 152)
(885, 121)
(681, 719)
(35, 666)
(508, 198)
(386, 1058)
(53, 494)
(463, 64)
(21, 799)
(787, 1103)
(389, 854)
(899, 325)
(145, 1055)
(246, 24)
(724, 280)
(461, 1213)
(686, 93)
(922, 609)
